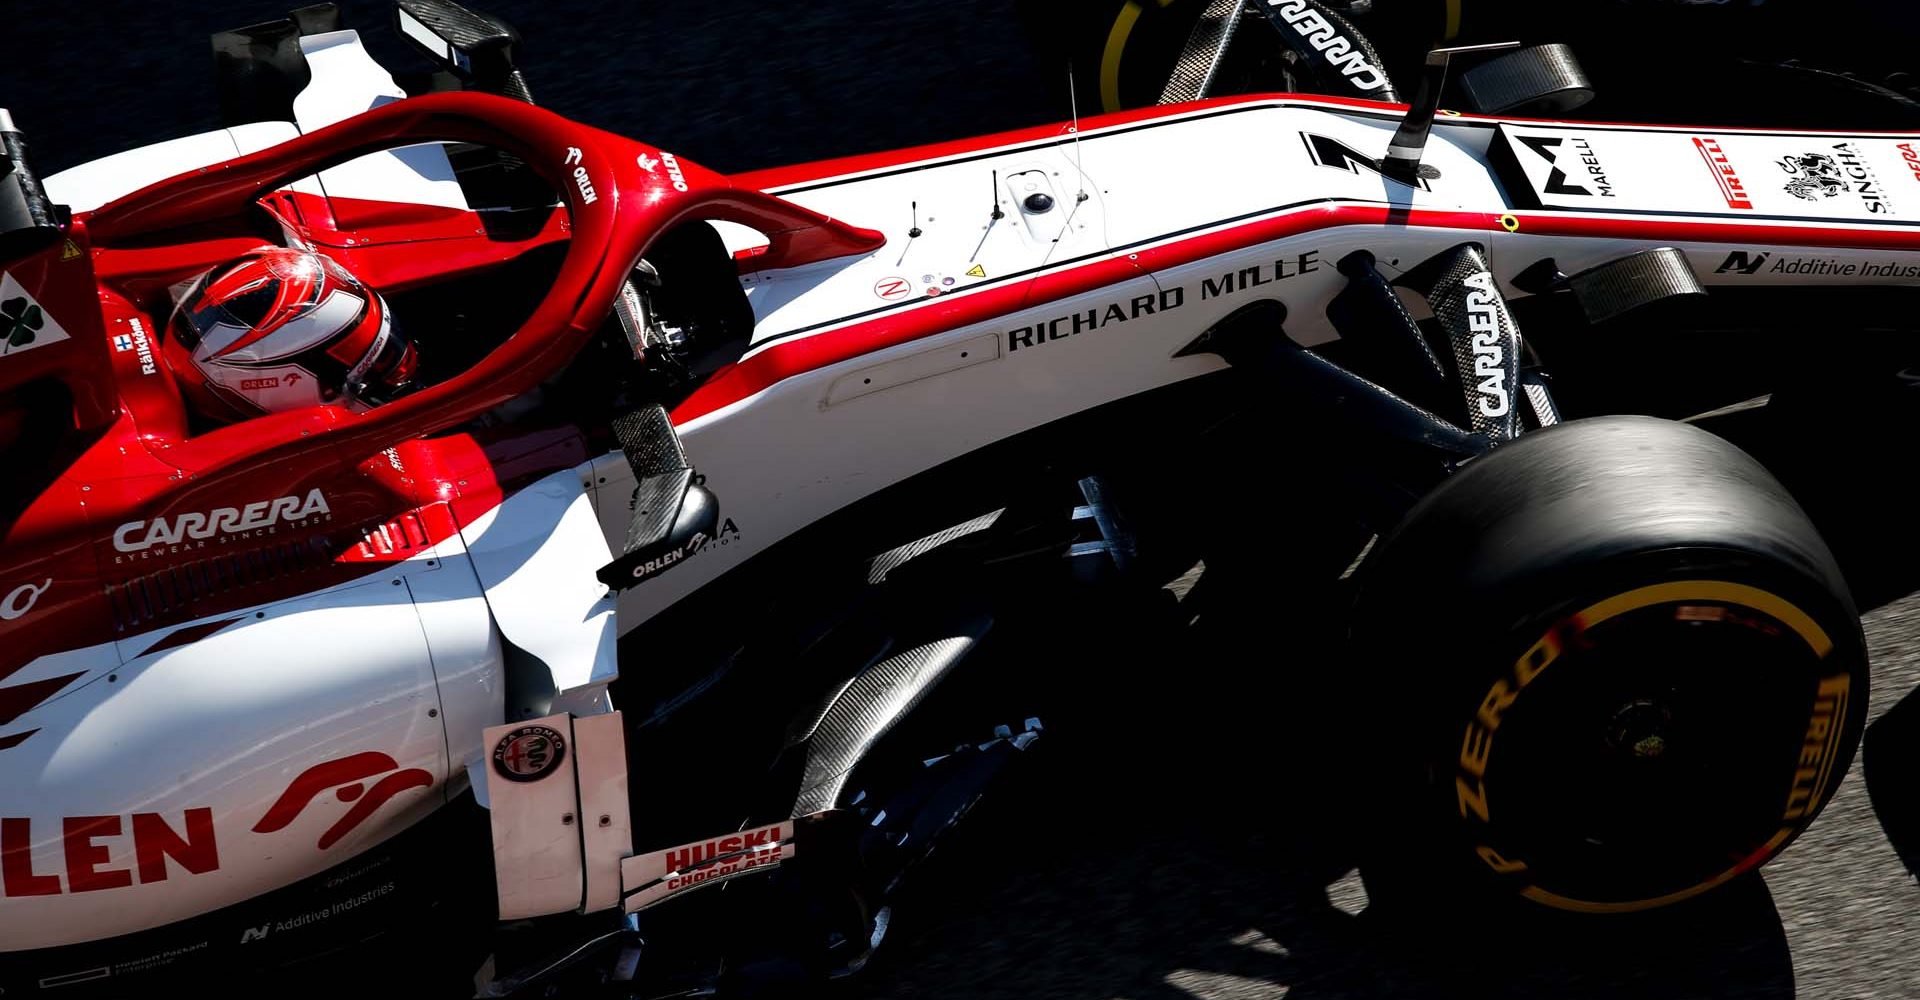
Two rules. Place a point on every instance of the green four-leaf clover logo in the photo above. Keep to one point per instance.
(19, 321)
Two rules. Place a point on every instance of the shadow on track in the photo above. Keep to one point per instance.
(1184, 845)
(1890, 760)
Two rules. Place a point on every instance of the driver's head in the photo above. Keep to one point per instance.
(282, 328)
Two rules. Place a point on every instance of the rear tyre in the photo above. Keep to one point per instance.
(1629, 670)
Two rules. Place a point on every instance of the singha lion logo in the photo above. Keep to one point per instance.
(1813, 176)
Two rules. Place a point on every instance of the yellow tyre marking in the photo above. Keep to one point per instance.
(1715, 590)
(1840, 690)
(1780, 610)
(1559, 902)
(1110, 58)
(1453, 19)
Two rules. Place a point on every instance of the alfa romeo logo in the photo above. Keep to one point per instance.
(20, 320)
(529, 753)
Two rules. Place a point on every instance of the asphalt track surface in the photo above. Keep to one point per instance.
(1186, 862)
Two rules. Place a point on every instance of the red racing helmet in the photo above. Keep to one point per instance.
(282, 328)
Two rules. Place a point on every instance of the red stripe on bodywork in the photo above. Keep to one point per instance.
(1656, 230)
(192, 633)
(807, 353)
(20, 699)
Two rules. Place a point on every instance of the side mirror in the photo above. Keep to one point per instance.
(674, 514)
(477, 48)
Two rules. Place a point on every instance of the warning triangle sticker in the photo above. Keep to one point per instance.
(24, 324)
(976, 271)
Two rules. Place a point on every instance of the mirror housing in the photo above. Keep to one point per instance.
(28, 219)
(477, 48)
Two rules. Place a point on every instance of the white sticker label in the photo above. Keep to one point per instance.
(24, 323)
(657, 875)
(1824, 177)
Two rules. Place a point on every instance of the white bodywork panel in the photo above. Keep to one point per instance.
(536, 839)
(958, 235)
(468, 668)
(559, 816)
(536, 555)
(92, 184)
(606, 828)
(340, 739)
(1634, 169)
(345, 82)
(658, 875)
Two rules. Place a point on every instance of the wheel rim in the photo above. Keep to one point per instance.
(1654, 745)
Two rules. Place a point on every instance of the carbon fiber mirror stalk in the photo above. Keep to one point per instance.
(478, 48)
(673, 513)
(1409, 144)
(28, 219)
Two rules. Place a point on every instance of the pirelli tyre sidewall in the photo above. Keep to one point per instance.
(1627, 670)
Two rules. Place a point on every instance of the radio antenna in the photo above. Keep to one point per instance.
(1073, 101)
(993, 219)
(912, 234)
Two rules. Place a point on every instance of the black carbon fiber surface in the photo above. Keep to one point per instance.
(866, 708)
(1539, 398)
(27, 218)
(1540, 79)
(458, 25)
(1370, 311)
(1486, 342)
(807, 724)
(1294, 373)
(661, 475)
(892, 559)
(656, 506)
(1341, 60)
(646, 436)
(1206, 46)
(1620, 286)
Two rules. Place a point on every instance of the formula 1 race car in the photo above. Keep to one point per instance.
(676, 556)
